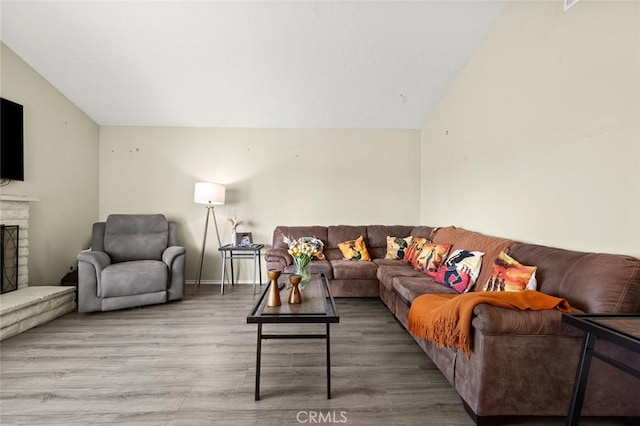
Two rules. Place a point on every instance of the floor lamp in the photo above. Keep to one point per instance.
(210, 194)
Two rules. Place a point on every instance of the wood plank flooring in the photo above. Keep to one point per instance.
(192, 362)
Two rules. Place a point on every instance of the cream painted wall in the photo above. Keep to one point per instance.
(273, 177)
(538, 139)
(61, 169)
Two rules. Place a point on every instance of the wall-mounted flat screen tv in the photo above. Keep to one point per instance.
(11, 140)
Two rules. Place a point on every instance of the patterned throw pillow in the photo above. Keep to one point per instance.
(413, 250)
(431, 257)
(315, 242)
(397, 247)
(508, 274)
(354, 249)
(460, 271)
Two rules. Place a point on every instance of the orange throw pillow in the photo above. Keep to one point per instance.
(508, 274)
(354, 249)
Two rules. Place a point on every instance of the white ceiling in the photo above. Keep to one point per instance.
(299, 64)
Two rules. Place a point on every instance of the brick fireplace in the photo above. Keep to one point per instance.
(28, 306)
(14, 210)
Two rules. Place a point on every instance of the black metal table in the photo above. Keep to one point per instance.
(317, 307)
(620, 329)
(232, 252)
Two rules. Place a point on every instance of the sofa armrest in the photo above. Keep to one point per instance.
(174, 257)
(279, 255)
(171, 254)
(494, 320)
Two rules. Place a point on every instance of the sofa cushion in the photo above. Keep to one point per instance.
(339, 233)
(131, 278)
(591, 282)
(474, 241)
(389, 262)
(508, 274)
(386, 272)
(348, 269)
(460, 270)
(354, 249)
(422, 231)
(135, 237)
(397, 247)
(411, 287)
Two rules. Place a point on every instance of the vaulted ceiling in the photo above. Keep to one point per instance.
(292, 64)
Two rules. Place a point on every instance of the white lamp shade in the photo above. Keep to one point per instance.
(209, 193)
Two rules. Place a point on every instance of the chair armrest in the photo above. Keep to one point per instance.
(98, 259)
(280, 255)
(172, 253)
(494, 320)
(174, 257)
(90, 267)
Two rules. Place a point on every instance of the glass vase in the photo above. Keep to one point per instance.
(302, 268)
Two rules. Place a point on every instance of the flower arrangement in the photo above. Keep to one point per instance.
(303, 250)
(235, 221)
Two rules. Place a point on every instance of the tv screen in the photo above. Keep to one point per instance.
(11, 140)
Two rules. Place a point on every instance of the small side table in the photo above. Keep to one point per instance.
(231, 252)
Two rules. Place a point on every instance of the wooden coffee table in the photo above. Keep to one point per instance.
(317, 307)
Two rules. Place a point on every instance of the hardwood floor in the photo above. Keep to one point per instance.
(193, 362)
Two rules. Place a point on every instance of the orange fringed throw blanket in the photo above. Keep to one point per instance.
(445, 319)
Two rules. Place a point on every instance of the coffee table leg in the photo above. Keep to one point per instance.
(258, 354)
(328, 364)
(580, 383)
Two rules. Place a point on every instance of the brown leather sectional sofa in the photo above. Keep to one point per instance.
(523, 362)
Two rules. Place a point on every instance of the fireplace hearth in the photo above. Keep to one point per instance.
(9, 237)
(23, 307)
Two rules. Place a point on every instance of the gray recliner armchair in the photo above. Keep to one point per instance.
(133, 261)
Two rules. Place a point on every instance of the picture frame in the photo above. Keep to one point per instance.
(244, 239)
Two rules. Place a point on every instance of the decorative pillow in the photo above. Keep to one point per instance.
(431, 257)
(397, 247)
(354, 249)
(461, 270)
(316, 245)
(413, 250)
(508, 274)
